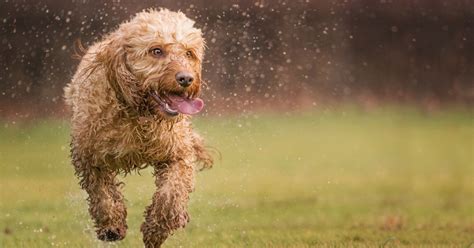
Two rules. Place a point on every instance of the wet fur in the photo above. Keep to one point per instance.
(114, 129)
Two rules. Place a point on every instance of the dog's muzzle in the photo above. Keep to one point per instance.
(184, 78)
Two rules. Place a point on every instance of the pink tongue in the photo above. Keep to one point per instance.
(185, 105)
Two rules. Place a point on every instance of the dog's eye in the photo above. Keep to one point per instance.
(189, 54)
(157, 52)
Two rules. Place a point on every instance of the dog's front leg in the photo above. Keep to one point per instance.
(106, 204)
(168, 210)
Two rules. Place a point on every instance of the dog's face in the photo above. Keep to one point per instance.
(157, 62)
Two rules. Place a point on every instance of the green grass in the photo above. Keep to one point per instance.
(327, 179)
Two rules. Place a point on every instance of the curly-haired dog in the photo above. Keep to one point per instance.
(131, 98)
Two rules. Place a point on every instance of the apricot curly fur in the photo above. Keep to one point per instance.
(115, 128)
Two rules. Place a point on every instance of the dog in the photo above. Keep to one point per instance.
(132, 98)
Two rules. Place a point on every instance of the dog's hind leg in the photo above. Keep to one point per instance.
(106, 204)
(168, 210)
(202, 155)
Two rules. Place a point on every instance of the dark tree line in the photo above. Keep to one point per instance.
(261, 54)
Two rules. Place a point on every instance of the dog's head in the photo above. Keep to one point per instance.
(153, 62)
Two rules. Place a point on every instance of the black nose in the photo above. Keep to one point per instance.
(184, 78)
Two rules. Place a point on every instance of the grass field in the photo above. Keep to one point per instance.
(394, 178)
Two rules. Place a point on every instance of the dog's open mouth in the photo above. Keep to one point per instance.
(173, 104)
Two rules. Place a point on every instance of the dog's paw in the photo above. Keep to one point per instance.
(111, 234)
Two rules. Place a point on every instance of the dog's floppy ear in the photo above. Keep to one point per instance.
(113, 55)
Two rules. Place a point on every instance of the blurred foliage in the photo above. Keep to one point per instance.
(261, 54)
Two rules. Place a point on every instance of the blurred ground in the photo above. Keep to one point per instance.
(396, 177)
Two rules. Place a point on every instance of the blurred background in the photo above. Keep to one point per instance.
(262, 54)
(339, 123)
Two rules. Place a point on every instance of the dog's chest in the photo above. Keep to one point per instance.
(134, 146)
